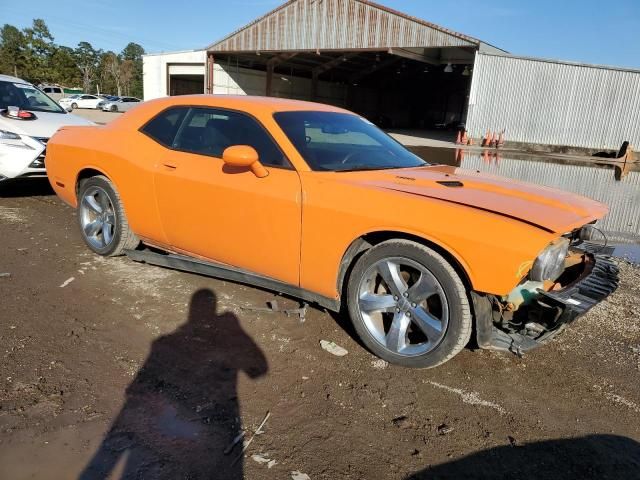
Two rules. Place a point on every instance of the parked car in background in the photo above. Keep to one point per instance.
(28, 118)
(123, 104)
(110, 98)
(317, 202)
(80, 101)
(54, 91)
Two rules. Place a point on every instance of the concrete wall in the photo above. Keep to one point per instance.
(155, 70)
(554, 103)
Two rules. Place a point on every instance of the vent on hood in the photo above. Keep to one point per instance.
(451, 183)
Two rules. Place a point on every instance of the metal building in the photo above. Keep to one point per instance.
(404, 73)
(555, 103)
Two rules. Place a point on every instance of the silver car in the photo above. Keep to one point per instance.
(121, 105)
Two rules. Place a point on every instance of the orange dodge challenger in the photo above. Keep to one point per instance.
(316, 202)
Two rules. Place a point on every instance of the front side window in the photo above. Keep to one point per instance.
(164, 126)
(209, 131)
(26, 97)
(334, 141)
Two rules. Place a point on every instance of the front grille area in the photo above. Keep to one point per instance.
(39, 161)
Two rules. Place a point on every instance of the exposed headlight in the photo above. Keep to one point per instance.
(5, 135)
(550, 263)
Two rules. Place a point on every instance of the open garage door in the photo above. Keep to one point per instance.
(185, 79)
(422, 93)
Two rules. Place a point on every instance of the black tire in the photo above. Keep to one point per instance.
(114, 108)
(74, 106)
(458, 330)
(122, 236)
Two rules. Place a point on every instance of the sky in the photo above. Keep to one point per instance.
(590, 31)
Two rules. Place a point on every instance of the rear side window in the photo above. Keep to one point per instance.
(209, 131)
(163, 127)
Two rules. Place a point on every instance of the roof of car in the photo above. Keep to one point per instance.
(272, 104)
(258, 106)
(9, 78)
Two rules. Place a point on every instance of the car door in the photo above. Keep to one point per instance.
(209, 209)
(85, 101)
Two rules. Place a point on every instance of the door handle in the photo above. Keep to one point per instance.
(169, 166)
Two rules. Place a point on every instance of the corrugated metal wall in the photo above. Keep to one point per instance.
(622, 197)
(554, 103)
(338, 24)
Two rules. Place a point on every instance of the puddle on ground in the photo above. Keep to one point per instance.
(600, 179)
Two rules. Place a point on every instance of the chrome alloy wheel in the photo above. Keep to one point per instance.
(97, 217)
(403, 306)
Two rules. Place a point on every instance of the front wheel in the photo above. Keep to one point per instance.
(103, 223)
(408, 305)
(74, 106)
(114, 108)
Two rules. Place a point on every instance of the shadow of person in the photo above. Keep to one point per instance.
(181, 410)
(595, 456)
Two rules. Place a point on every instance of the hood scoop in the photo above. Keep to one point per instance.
(451, 183)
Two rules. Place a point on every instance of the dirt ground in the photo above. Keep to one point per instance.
(112, 366)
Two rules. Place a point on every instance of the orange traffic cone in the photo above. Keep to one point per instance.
(485, 139)
(494, 139)
(459, 138)
(465, 139)
(490, 139)
(501, 139)
(470, 142)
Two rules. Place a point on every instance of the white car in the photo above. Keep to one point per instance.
(121, 105)
(80, 101)
(28, 118)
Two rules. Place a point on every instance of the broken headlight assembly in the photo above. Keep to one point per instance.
(550, 263)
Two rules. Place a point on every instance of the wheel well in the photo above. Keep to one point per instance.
(364, 243)
(84, 175)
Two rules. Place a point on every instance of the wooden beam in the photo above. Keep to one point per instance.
(319, 70)
(278, 59)
(209, 72)
(314, 85)
(401, 52)
(271, 64)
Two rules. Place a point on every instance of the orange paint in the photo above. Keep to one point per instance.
(295, 225)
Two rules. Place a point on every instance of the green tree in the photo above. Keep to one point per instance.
(87, 59)
(113, 68)
(132, 78)
(12, 51)
(65, 71)
(39, 50)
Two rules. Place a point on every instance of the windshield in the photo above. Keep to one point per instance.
(338, 142)
(26, 97)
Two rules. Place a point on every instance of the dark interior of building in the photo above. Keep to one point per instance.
(394, 89)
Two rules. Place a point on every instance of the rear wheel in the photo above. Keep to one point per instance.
(408, 304)
(103, 223)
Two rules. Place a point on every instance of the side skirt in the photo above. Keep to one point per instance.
(227, 272)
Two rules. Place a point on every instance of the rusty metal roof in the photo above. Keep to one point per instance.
(339, 25)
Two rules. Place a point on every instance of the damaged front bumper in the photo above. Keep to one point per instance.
(583, 285)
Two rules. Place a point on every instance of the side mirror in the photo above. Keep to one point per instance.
(244, 156)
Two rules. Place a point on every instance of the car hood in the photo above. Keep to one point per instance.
(45, 125)
(553, 210)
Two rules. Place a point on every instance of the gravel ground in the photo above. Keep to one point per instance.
(108, 365)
